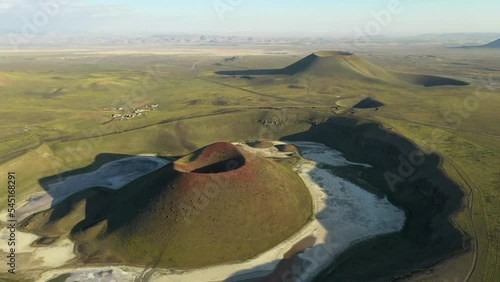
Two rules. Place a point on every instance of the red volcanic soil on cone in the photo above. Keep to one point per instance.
(216, 158)
(219, 204)
(228, 204)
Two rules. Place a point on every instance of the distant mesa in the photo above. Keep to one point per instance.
(347, 66)
(231, 59)
(315, 62)
(493, 45)
(216, 205)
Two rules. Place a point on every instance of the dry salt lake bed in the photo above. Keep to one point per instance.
(344, 214)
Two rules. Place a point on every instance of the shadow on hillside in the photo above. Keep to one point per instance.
(428, 196)
(292, 69)
(94, 211)
(252, 72)
(368, 103)
(287, 269)
(74, 184)
(430, 80)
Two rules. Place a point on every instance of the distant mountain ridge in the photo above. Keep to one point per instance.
(58, 40)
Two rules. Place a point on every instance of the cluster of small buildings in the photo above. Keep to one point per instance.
(135, 112)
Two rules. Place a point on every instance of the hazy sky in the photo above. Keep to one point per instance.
(253, 17)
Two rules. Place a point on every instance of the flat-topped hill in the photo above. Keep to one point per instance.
(493, 45)
(347, 66)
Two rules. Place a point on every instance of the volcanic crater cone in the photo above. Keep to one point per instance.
(218, 204)
(349, 67)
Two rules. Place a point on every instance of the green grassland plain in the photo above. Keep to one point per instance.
(57, 107)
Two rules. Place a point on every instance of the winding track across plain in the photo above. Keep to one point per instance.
(469, 189)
